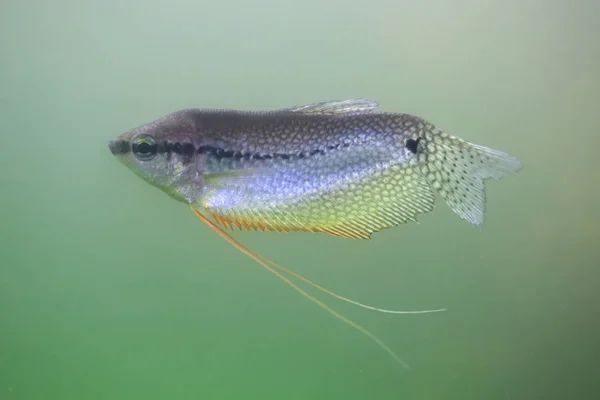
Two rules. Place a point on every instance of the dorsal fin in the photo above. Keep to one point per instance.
(337, 107)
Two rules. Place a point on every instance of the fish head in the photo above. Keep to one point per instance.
(163, 153)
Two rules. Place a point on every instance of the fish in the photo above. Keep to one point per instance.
(344, 168)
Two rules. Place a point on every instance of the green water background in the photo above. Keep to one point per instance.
(111, 290)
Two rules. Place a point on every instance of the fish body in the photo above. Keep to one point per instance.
(342, 167)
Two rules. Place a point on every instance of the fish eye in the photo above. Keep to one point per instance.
(144, 148)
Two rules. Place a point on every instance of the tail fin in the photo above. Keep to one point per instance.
(457, 170)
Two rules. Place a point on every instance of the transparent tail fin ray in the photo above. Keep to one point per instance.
(457, 170)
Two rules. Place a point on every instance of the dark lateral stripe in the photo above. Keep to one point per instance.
(187, 149)
(222, 153)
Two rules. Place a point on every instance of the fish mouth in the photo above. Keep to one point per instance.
(119, 146)
(112, 145)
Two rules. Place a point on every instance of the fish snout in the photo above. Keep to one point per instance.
(118, 146)
(112, 145)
